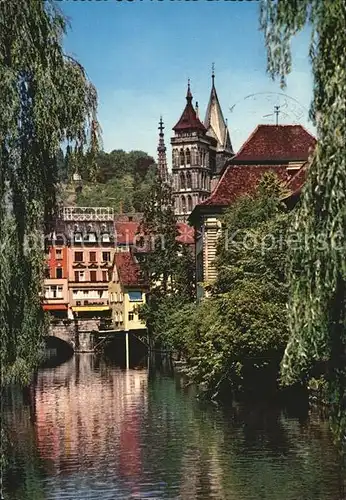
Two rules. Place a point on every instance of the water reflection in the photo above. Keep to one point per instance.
(92, 431)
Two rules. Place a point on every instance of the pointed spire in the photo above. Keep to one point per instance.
(197, 109)
(161, 153)
(189, 94)
(215, 122)
(189, 119)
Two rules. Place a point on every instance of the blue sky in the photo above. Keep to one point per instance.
(140, 54)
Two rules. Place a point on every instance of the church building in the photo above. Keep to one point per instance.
(199, 151)
(207, 176)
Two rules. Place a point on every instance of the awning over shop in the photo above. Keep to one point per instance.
(90, 308)
(55, 307)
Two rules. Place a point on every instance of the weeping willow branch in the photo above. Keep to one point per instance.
(317, 270)
(46, 100)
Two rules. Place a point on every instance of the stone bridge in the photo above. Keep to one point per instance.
(78, 333)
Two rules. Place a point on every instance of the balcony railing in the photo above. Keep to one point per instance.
(87, 214)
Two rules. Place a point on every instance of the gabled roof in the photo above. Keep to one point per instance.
(189, 119)
(277, 143)
(128, 270)
(238, 180)
(215, 122)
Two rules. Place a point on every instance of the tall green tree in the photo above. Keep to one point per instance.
(317, 273)
(46, 99)
(234, 340)
(240, 333)
(168, 265)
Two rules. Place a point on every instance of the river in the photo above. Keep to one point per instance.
(90, 430)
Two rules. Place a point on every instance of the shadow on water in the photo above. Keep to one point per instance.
(115, 351)
(56, 352)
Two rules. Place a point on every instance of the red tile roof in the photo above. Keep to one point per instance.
(238, 180)
(276, 143)
(128, 269)
(189, 119)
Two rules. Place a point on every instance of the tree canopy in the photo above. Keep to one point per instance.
(235, 339)
(123, 181)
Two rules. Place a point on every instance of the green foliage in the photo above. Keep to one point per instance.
(123, 181)
(117, 193)
(317, 271)
(46, 99)
(168, 265)
(236, 339)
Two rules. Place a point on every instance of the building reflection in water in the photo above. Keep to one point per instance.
(88, 417)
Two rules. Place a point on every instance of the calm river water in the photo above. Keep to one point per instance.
(92, 431)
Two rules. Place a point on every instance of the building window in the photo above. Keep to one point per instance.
(93, 276)
(106, 256)
(188, 180)
(131, 316)
(79, 276)
(135, 296)
(53, 292)
(182, 157)
(78, 256)
(104, 275)
(58, 254)
(183, 204)
(47, 272)
(189, 203)
(182, 181)
(188, 157)
(92, 256)
(59, 273)
(90, 237)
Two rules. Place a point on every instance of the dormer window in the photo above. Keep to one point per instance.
(90, 238)
(105, 238)
(78, 238)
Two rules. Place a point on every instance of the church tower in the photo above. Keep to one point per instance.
(161, 154)
(193, 160)
(217, 129)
